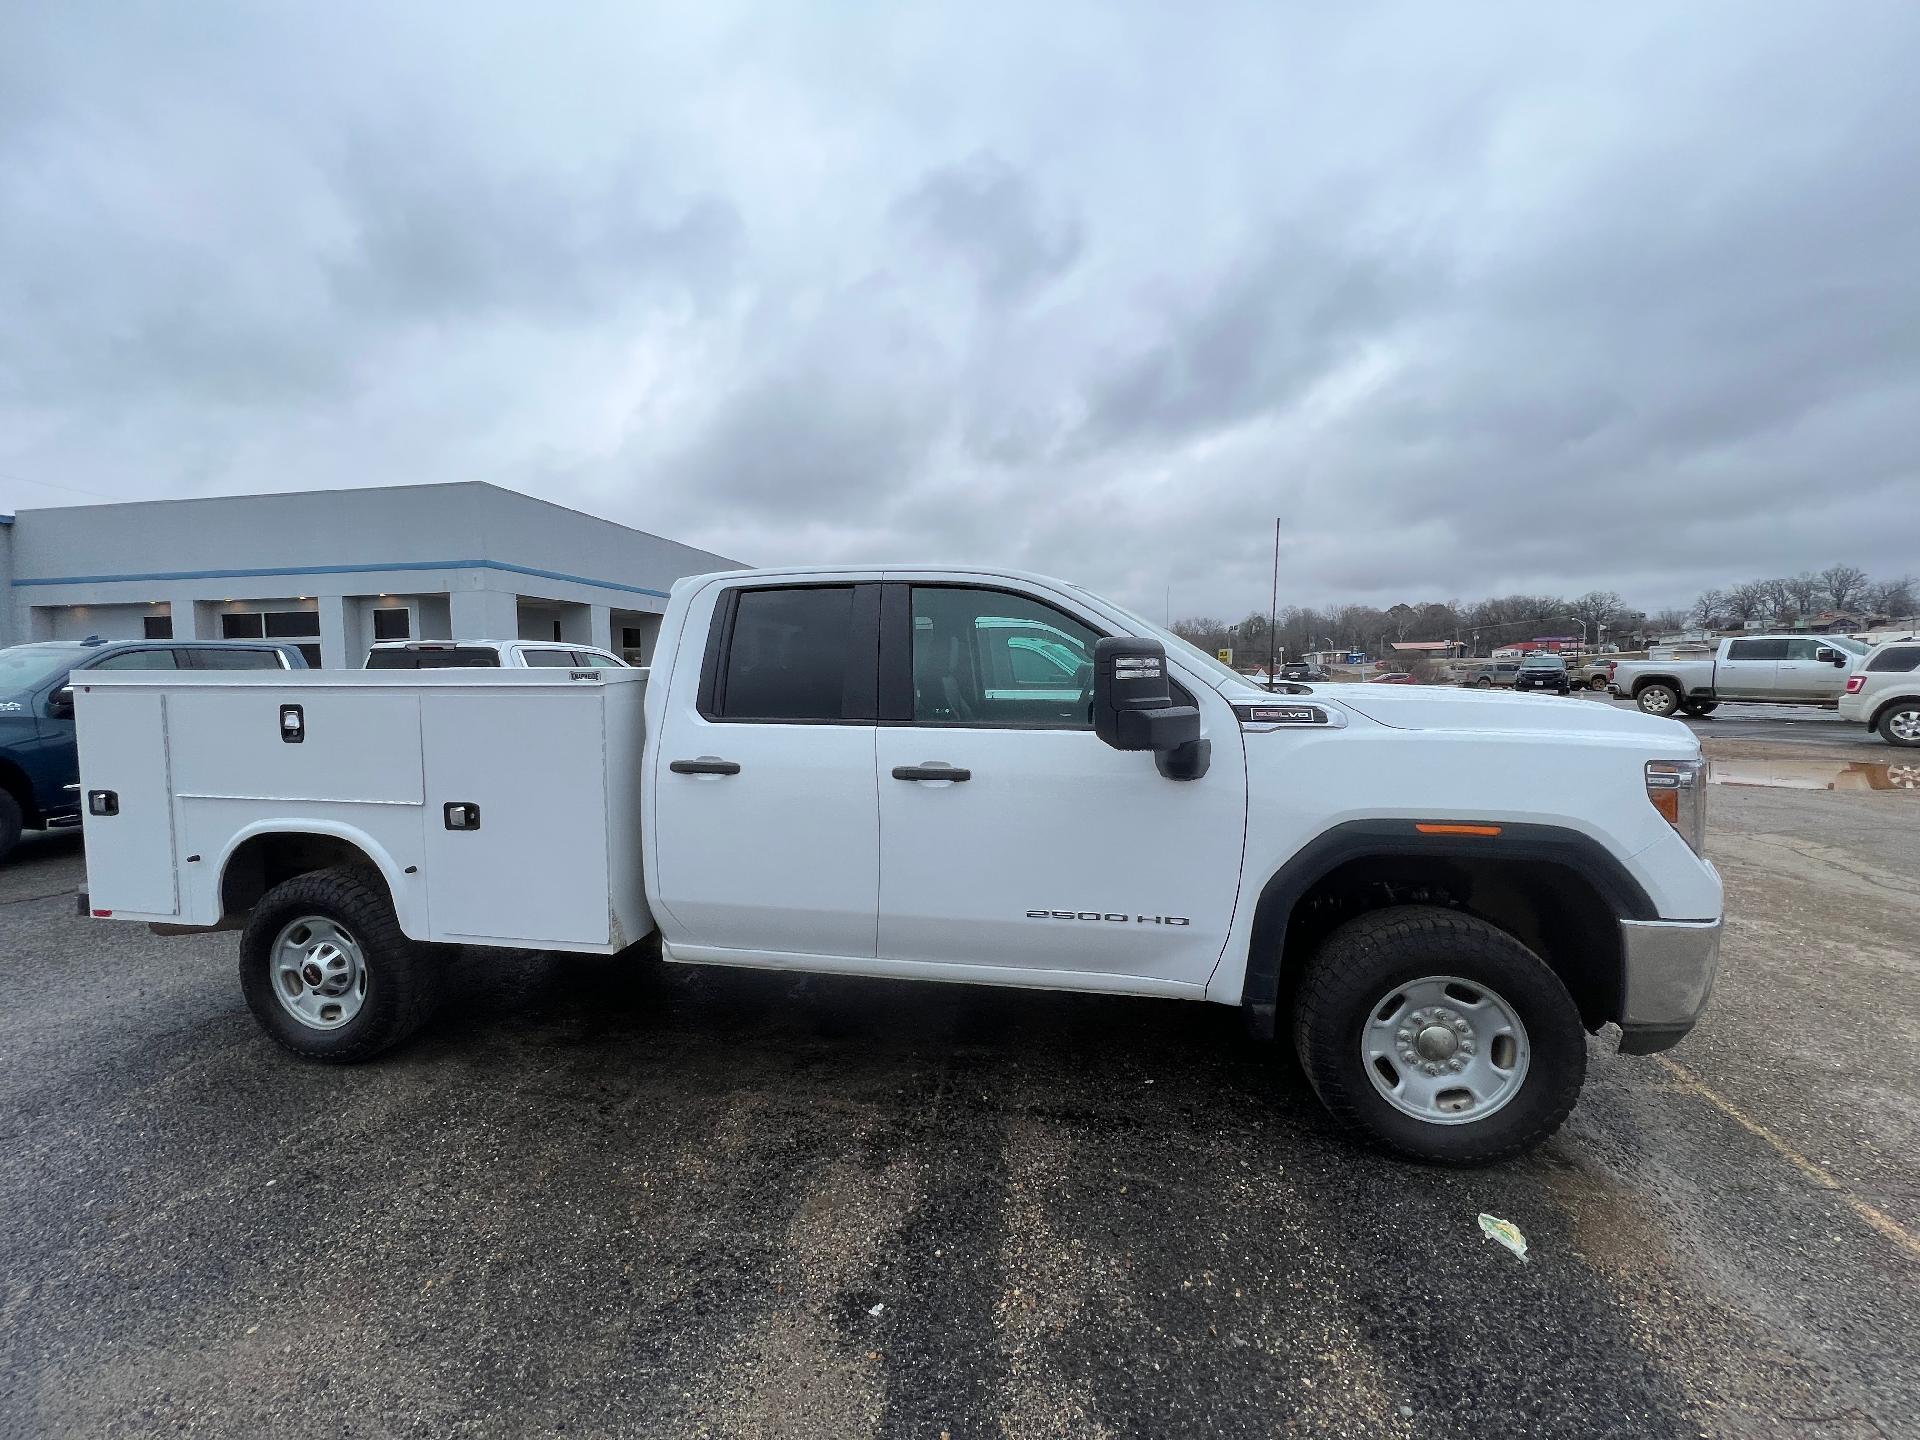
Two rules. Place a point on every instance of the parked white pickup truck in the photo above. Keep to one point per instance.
(881, 772)
(1773, 669)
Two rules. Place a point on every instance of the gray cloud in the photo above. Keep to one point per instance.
(1090, 291)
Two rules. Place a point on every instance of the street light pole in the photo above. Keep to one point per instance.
(1273, 609)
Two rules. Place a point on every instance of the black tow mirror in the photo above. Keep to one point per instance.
(1133, 705)
(60, 703)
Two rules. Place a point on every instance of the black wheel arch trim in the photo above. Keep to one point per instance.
(1367, 839)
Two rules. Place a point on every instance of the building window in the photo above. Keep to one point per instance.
(235, 626)
(292, 624)
(630, 638)
(158, 627)
(392, 624)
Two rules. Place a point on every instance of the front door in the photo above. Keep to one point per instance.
(765, 821)
(1803, 675)
(1056, 853)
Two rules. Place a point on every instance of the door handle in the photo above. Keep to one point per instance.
(935, 771)
(705, 765)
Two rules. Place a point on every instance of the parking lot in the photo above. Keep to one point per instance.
(593, 1201)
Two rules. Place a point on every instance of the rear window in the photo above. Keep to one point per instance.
(208, 658)
(788, 655)
(454, 657)
(1757, 650)
(1901, 661)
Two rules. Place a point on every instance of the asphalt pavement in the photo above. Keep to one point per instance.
(1776, 724)
(592, 1200)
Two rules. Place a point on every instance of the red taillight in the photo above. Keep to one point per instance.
(1612, 665)
(1855, 683)
(103, 914)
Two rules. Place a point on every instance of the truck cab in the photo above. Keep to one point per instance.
(977, 776)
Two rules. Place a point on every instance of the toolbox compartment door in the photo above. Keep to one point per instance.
(533, 763)
(131, 865)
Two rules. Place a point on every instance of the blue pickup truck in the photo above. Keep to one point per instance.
(39, 762)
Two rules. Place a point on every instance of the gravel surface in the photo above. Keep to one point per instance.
(590, 1201)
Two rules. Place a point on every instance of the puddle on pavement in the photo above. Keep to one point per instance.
(1818, 774)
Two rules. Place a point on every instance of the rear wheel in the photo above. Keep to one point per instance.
(327, 970)
(10, 824)
(1899, 724)
(1484, 683)
(1599, 682)
(1657, 699)
(1697, 708)
(1438, 1036)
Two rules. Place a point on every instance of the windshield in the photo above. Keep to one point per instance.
(1543, 662)
(26, 667)
(1848, 644)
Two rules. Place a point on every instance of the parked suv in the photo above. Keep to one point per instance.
(487, 655)
(1494, 672)
(39, 762)
(1543, 672)
(1883, 692)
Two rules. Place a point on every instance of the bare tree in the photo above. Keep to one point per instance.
(1845, 585)
(1593, 610)
(1663, 621)
(1804, 590)
(1748, 601)
(1708, 609)
(1893, 598)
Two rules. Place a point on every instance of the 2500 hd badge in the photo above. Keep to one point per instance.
(1107, 915)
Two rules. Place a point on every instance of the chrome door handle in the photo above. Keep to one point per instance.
(931, 772)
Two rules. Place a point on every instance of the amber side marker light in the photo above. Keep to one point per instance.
(1457, 829)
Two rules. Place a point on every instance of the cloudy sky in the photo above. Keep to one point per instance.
(1473, 297)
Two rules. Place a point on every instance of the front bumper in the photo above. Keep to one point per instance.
(1668, 968)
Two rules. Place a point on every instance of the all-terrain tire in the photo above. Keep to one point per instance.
(403, 976)
(1358, 968)
(11, 823)
(1657, 699)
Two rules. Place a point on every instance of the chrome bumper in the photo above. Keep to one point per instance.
(1668, 967)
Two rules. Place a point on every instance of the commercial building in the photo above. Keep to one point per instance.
(335, 570)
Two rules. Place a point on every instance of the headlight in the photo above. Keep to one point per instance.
(1678, 790)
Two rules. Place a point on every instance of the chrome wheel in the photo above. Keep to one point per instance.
(319, 974)
(1444, 1050)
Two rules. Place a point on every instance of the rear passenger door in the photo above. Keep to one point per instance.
(765, 831)
(1749, 670)
(208, 658)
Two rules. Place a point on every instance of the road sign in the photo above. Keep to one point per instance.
(1226, 655)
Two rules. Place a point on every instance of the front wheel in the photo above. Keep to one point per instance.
(1657, 699)
(1698, 708)
(1484, 683)
(327, 970)
(1900, 725)
(1438, 1036)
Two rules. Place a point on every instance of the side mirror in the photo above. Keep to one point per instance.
(1133, 705)
(60, 703)
(1830, 655)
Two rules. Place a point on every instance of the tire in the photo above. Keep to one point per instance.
(1369, 963)
(1484, 683)
(1599, 682)
(1899, 723)
(391, 984)
(1657, 699)
(11, 823)
(1698, 708)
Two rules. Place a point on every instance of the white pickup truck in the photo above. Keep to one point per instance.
(976, 776)
(1770, 669)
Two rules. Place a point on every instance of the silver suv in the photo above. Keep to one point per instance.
(1883, 692)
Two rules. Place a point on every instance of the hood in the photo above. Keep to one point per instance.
(1439, 707)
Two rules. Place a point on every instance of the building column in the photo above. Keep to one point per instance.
(333, 635)
(484, 614)
(600, 627)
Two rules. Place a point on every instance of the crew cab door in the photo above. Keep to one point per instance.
(1803, 675)
(1011, 837)
(1749, 670)
(765, 826)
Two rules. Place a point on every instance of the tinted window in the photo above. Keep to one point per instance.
(590, 660)
(789, 655)
(291, 624)
(392, 624)
(1903, 661)
(235, 626)
(466, 657)
(1803, 650)
(157, 627)
(548, 659)
(986, 657)
(1757, 650)
(138, 660)
(209, 658)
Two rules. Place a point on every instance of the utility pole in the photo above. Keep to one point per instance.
(1273, 609)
